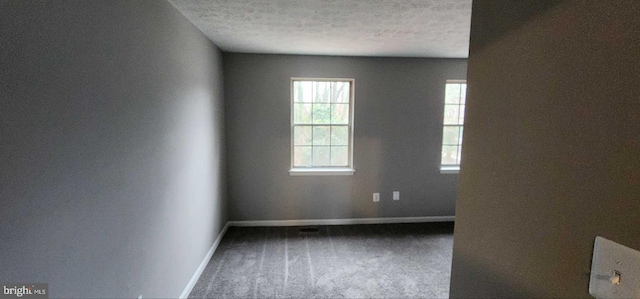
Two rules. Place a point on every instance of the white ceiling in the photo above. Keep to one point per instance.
(404, 28)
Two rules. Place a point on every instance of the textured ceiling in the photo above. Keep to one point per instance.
(405, 28)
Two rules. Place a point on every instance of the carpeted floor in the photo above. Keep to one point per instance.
(346, 261)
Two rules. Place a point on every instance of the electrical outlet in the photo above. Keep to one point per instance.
(396, 195)
(140, 297)
(376, 197)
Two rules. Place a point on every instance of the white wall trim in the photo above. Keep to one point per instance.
(192, 283)
(321, 171)
(450, 169)
(300, 222)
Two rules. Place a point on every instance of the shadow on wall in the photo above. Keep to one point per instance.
(370, 157)
(480, 277)
(341, 189)
(528, 11)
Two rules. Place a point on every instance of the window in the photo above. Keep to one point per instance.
(321, 126)
(454, 104)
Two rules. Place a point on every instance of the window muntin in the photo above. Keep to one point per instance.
(321, 123)
(453, 125)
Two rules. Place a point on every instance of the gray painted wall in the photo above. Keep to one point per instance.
(398, 132)
(112, 164)
(551, 155)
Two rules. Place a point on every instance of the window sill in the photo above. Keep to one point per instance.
(449, 169)
(321, 171)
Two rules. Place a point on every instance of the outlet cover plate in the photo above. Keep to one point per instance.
(615, 270)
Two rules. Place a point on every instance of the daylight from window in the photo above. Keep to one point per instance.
(454, 104)
(321, 123)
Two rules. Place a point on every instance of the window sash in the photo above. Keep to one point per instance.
(453, 104)
(457, 144)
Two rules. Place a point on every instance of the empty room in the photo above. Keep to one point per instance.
(319, 149)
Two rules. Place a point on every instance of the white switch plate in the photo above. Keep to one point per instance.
(615, 270)
(376, 197)
(396, 195)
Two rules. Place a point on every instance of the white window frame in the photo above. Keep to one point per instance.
(327, 170)
(451, 168)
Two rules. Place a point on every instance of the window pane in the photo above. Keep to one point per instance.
(450, 135)
(302, 156)
(321, 156)
(339, 135)
(322, 92)
(459, 156)
(460, 135)
(303, 91)
(321, 113)
(463, 93)
(302, 135)
(340, 92)
(302, 113)
(449, 154)
(452, 93)
(321, 135)
(451, 114)
(461, 114)
(339, 113)
(339, 156)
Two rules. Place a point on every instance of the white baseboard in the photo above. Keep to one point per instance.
(203, 264)
(302, 222)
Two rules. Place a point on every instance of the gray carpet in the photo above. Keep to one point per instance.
(350, 261)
